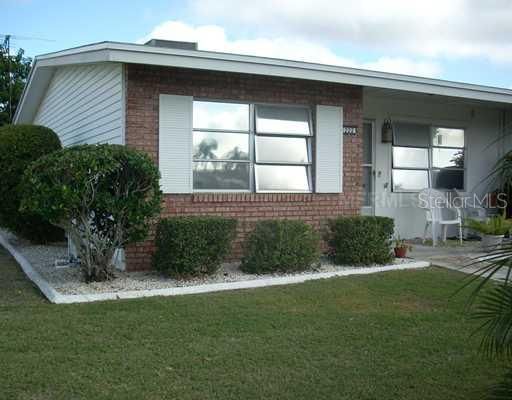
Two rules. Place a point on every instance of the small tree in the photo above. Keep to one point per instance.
(104, 196)
(20, 145)
(14, 70)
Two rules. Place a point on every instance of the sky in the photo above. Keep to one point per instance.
(458, 40)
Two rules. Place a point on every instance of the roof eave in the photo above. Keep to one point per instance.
(139, 54)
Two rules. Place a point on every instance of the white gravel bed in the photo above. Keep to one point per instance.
(69, 280)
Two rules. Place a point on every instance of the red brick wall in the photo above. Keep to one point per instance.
(144, 84)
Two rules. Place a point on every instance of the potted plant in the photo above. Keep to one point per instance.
(493, 230)
(401, 248)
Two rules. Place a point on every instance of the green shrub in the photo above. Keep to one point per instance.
(496, 225)
(20, 145)
(360, 240)
(281, 246)
(104, 196)
(191, 246)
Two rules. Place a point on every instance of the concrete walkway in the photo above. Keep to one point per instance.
(454, 256)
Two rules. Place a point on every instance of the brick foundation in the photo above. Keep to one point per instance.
(145, 83)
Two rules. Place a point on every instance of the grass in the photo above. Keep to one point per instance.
(395, 335)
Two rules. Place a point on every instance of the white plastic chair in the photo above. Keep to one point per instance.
(434, 203)
(469, 207)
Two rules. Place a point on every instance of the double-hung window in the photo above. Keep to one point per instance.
(249, 147)
(425, 156)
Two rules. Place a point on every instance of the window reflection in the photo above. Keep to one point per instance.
(445, 164)
(409, 180)
(282, 120)
(221, 146)
(281, 149)
(221, 175)
(448, 179)
(290, 178)
(409, 157)
(411, 134)
(223, 155)
(448, 137)
(221, 116)
(445, 158)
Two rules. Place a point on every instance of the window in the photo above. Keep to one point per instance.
(281, 178)
(221, 116)
(221, 146)
(367, 164)
(447, 162)
(270, 149)
(409, 180)
(283, 120)
(410, 157)
(425, 156)
(283, 158)
(221, 175)
(242, 147)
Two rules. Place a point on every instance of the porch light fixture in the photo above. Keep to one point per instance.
(387, 131)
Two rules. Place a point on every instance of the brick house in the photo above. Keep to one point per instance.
(257, 138)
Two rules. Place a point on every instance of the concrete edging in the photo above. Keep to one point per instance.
(55, 297)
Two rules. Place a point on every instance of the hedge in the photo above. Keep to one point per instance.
(20, 145)
(193, 245)
(281, 246)
(360, 240)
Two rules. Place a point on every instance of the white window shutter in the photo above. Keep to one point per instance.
(175, 143)
(329, 149)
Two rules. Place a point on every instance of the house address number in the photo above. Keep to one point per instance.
(350, 131)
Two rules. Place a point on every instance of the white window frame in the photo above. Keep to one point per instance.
(430, 166)
(242, 132)
(253, 184)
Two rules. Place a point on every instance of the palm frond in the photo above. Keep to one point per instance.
(503, 390)
(494, 310)
(486, 269)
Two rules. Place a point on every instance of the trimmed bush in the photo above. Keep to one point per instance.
(194, 245)
(360, 240)
(105, 197)
(281, 246)
(20, 145)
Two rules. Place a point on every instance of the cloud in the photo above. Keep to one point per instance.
(214, 38)
(434, 28)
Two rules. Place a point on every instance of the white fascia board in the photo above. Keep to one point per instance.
(86, 57)
(33, 92)
(23, 98)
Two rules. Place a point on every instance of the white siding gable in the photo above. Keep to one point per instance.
(84, 104)
(329, 149)
(175, 143)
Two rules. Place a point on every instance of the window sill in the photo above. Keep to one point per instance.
(252, 197)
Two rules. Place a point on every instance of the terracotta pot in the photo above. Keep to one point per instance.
(400, 252)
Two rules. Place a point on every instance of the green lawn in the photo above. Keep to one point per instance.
(394, 335)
